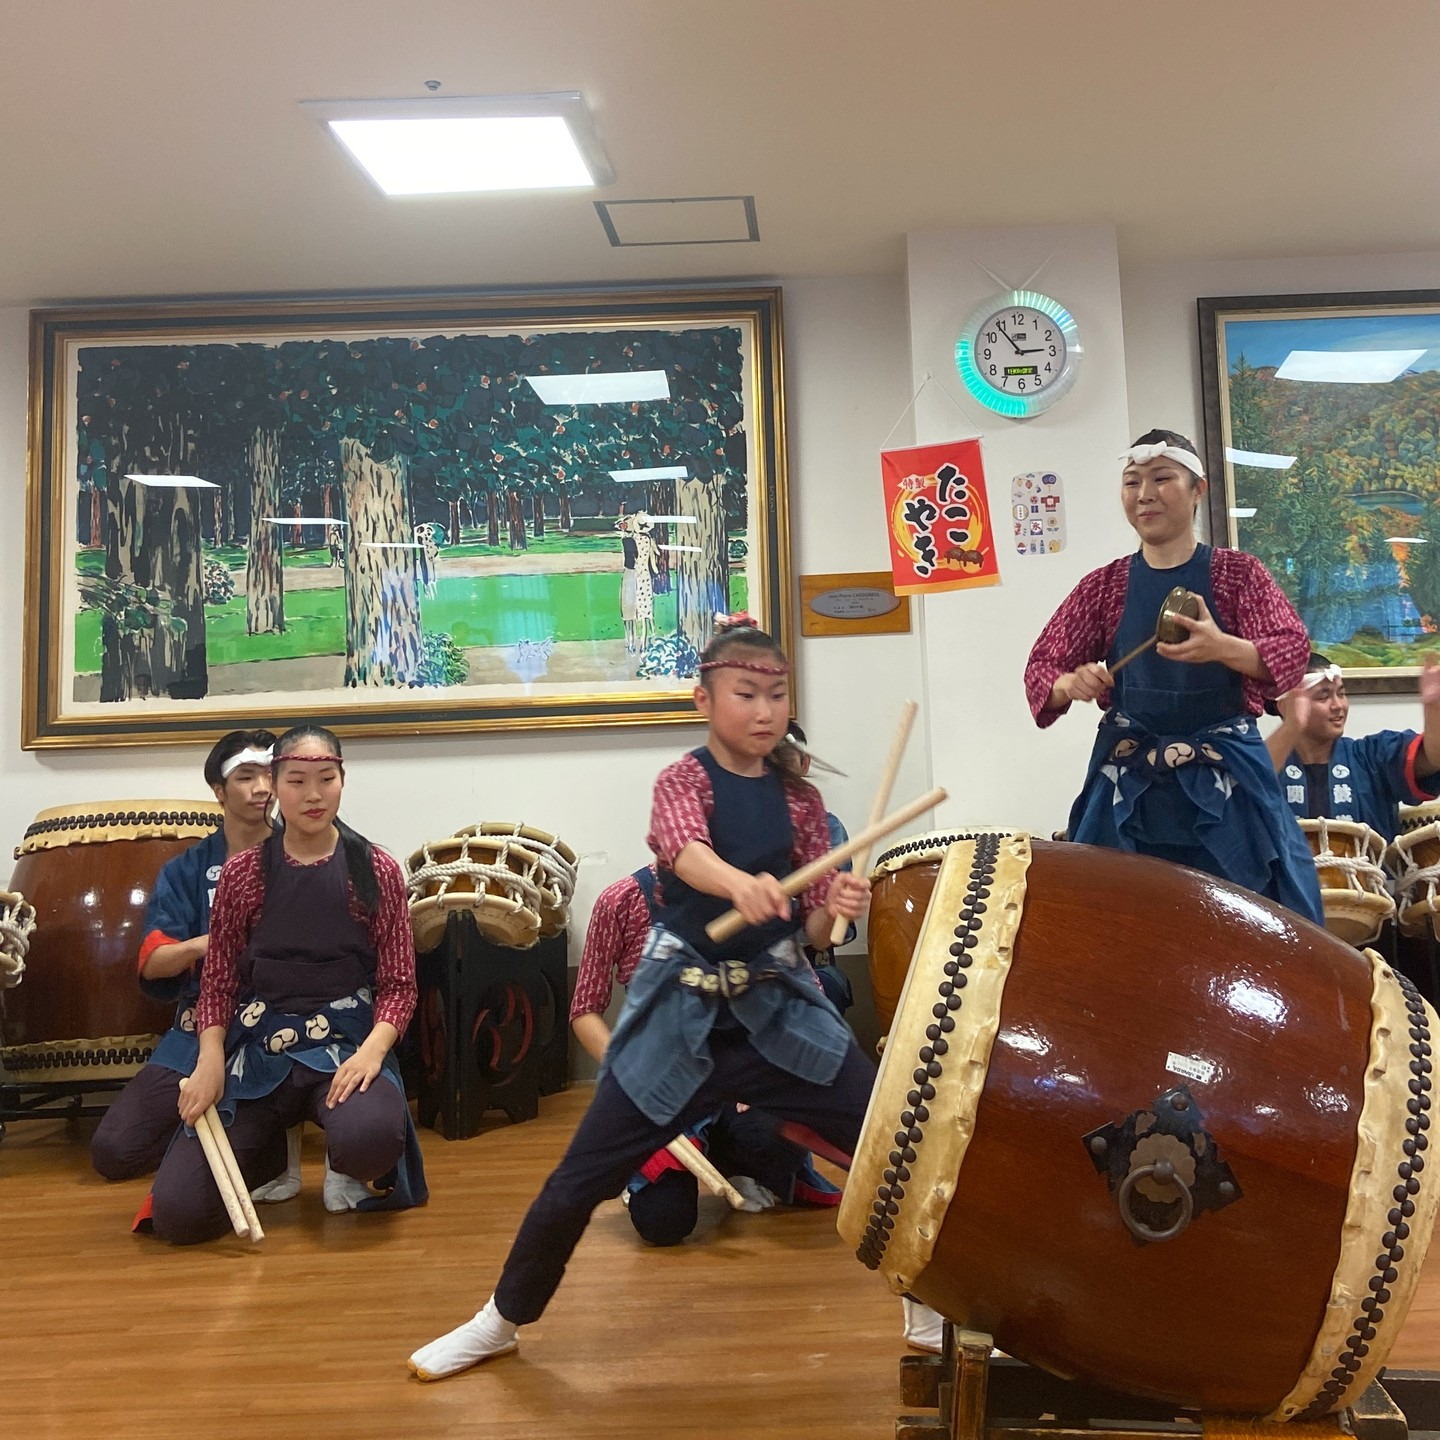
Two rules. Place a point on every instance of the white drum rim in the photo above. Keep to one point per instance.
(894, 1225)
(1398, 1015)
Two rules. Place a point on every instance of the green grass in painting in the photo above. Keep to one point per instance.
(477, 610)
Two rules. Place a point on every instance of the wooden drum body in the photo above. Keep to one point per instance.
(88, 871)
(557, 865)
(1149, 1131)
(1349, 864)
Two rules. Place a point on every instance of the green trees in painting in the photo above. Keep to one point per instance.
(382, 433)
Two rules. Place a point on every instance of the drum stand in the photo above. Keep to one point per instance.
(977, 1396)
(490, 1030)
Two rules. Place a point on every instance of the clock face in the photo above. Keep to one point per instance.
(1019, 353)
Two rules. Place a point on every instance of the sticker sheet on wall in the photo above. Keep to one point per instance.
(941, 535)
(1037, 513)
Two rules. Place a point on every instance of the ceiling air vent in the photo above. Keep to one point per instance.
(693, 220)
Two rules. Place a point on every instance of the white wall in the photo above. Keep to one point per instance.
(846, 367)
(1000, 770)
(1162, 356)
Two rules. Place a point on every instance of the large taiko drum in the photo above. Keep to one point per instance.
(1150, 1131)
(88, 871)
(900, 886)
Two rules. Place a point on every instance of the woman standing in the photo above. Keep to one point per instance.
(1179, 769)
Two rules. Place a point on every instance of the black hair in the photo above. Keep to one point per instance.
(794, 731)
(1317, 661)
(1168, 437)
(359, 853)
(232, 744)
(739, 638)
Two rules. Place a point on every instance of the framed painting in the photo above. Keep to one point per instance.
(396, 515)
(1322, 441)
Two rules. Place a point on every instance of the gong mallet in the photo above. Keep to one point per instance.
(690, 1157)
(1179, 601)
(732, 922)
(882, 799)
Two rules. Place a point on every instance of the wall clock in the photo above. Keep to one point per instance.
(1018, 353)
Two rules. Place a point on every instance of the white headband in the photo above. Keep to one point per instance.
(1319, 677)
(245, 757)
(1158, 449)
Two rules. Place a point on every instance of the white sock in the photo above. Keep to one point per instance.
(286, 1185)
(757, 1197)
(341, 1192)
(487, 1335)
(924, 1328)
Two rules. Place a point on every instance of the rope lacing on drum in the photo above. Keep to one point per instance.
(1410, 877)
(17, 924)
(559, 872)
(445, 871)
(1351, 866)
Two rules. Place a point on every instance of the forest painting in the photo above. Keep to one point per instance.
(1323, 419)
(397, 515)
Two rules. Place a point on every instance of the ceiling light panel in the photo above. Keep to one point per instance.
(470, 145)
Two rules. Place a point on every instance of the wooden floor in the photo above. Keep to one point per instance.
(760, 1326)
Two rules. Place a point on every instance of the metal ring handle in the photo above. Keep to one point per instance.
(1163, 1171)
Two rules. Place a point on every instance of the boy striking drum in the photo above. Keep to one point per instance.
(704, 1024)
(1327, 775)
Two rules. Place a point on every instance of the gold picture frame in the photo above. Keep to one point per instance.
(397, 514)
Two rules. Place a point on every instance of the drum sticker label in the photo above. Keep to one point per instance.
(1037, 513)
(1190, 1067)
(1162, 1167)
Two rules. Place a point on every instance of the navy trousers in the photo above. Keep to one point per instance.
(615, 1138)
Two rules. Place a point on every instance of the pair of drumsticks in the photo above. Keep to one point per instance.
(858, 846)
(225, 1169)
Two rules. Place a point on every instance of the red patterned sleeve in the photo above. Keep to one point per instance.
(390, 933)
(1078, 633)
(1253, 606)
(680, 811)
(233, 914)
(811, 840)
(613, 943)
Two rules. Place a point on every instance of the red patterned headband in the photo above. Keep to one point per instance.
(309, 760)
(751, 665)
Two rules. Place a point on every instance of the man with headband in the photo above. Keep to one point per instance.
(1327, 775)
(132, 1138)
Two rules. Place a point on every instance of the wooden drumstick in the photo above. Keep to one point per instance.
(732, 922)
(882, 799)
(232, 1173)
(1135, 654)
(221, 1175)
(690, 1157)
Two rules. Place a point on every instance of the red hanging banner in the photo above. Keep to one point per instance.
(941, 537)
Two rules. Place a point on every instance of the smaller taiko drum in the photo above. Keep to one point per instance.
(900, 886)
(1414, 861)
(1354, 891)
(494, 878)
(558, 863)
(87, 873)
